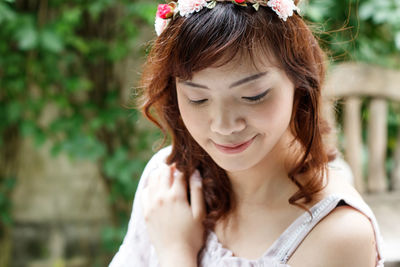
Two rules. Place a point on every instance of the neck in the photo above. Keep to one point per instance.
(265, 185)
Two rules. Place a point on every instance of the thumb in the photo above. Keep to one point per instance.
(196, 196)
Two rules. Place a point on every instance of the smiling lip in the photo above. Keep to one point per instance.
(233, 149)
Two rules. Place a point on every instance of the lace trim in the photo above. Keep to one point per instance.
(215, 255)
(217, 251)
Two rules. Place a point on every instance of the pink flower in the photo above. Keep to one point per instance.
(165, 11)
(187, 7)
(284, 8)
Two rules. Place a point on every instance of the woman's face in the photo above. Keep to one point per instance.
(239, 115)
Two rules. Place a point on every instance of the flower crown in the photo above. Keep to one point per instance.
(165, 12)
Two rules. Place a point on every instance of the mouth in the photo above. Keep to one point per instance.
(234, 148)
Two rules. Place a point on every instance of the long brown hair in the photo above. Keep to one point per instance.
(214, 36)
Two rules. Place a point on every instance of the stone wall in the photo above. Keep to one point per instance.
(59, 208)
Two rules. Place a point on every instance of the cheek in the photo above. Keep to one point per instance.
(273, 115)
(194, 119)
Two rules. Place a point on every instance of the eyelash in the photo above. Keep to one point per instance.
(253, 99)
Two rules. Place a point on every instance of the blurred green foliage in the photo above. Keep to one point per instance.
(58, 81)
(361, 30)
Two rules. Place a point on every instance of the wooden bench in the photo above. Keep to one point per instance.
(352, 85)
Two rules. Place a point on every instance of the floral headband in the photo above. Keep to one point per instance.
(165, 12)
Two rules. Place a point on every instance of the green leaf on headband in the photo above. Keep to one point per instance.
(256, 6)
(211, 4)
(242, 4)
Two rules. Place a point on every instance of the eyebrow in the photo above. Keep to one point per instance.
(235, 84)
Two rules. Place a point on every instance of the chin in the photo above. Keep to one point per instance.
(241, 161)
(229, 167)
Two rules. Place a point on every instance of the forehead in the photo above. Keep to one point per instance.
(242, 65)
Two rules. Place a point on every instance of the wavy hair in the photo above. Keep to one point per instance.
(212, 37)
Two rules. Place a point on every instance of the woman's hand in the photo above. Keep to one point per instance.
(175, 227)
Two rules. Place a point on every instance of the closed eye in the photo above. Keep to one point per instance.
(197, 102)
(257, 97)
(252, 99)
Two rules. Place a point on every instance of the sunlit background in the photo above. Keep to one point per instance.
(73, 146)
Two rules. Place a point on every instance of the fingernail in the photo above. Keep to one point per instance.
(177, 172)
(196, 177)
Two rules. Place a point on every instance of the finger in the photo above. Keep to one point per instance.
(196, 195)
(178, 187)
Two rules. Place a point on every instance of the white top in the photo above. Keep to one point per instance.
(136, 249)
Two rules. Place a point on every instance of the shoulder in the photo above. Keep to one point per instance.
(155, 161)
(158, 158)
(350, 238)
(344, 238)
(161, 154)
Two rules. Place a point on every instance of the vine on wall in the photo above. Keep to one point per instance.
(58, 83)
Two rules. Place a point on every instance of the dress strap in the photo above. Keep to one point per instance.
(286, 245)
(288, 242)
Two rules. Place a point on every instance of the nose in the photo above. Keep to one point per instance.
(226, 121)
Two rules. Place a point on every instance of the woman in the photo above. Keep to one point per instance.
(247, 180)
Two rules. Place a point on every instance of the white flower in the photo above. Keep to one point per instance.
(284, 8)
(160, 25)
(187, 7)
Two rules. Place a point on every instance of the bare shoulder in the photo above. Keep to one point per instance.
(344, 238)
(350, 239)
